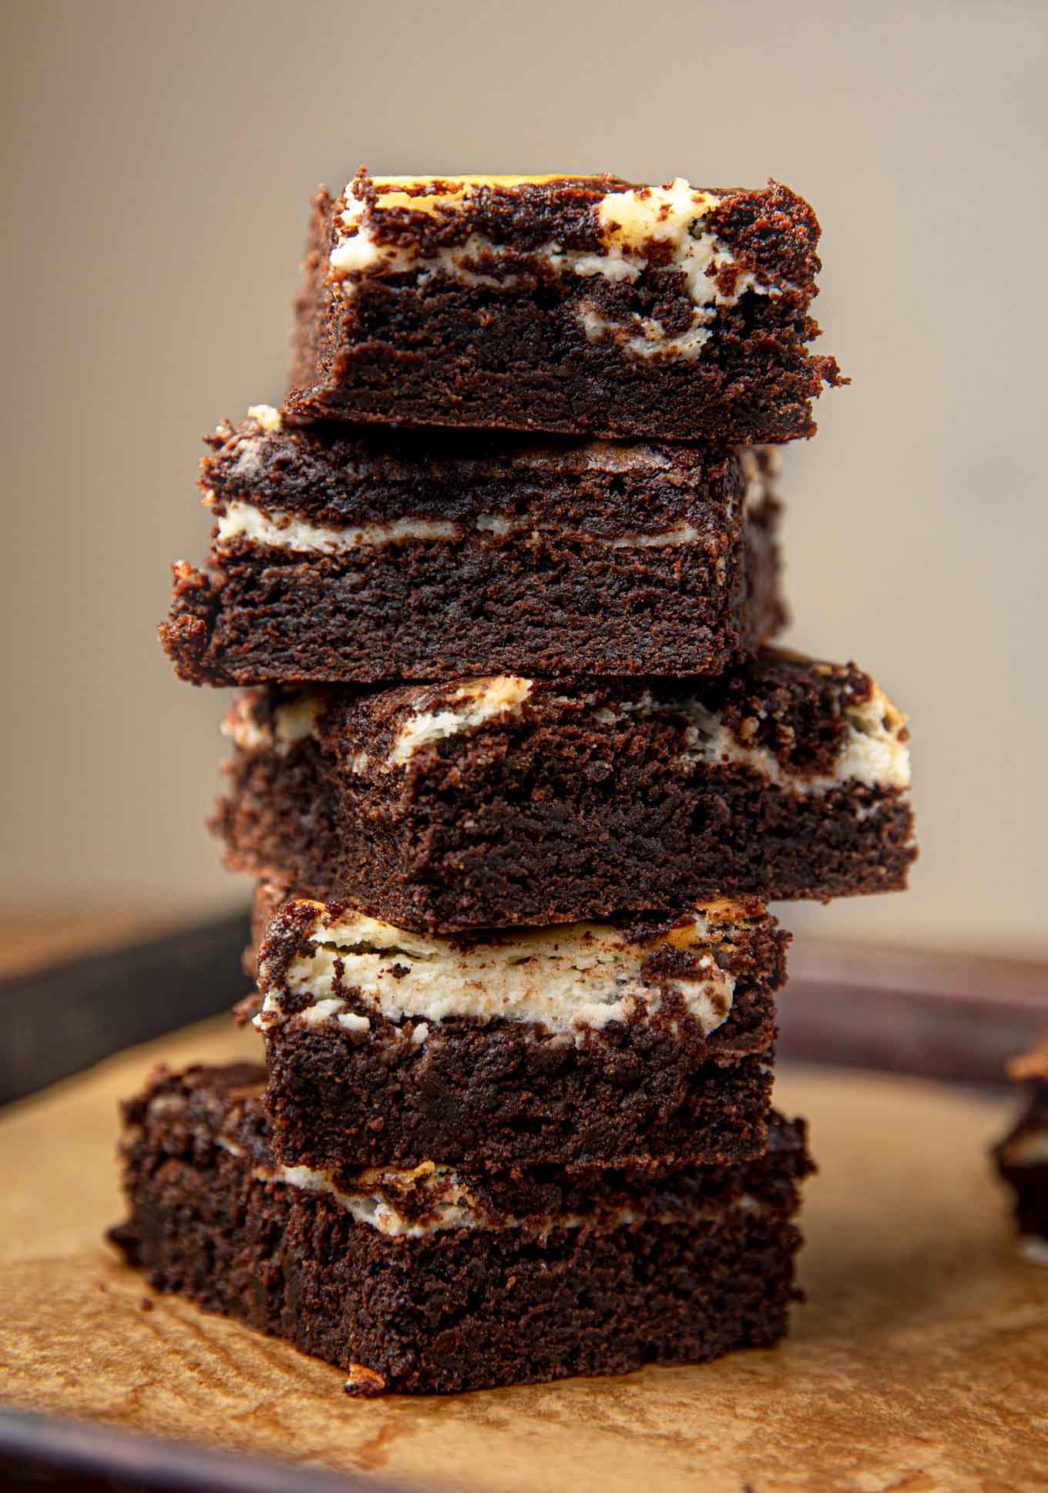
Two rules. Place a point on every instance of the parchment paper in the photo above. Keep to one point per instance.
(919, 1363)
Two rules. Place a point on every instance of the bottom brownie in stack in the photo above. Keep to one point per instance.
(438, 1279)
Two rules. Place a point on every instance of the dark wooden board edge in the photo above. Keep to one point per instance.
(61, 1019)
(42, 1451)
(948, 1017)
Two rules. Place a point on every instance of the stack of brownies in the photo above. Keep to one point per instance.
(516, 773)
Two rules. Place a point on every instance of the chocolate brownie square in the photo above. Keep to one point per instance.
(514, 800)
(614, 1043)
(578, 304)
(344, 557)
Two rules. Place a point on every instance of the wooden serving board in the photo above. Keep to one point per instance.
(919, 1363)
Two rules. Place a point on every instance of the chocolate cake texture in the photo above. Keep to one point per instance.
(440, 1279)
(578, 304)
(513, 800)
(340, 556)
(617, 1043)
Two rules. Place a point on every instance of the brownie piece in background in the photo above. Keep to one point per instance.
(1022, 1156)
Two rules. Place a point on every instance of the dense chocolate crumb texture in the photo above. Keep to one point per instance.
(343, 557)
(441, 1279)
(1022, 1156)
(579, 304)
(512, 800)
(610, 1043)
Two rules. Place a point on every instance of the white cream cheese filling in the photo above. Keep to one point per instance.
(279, 530)
(628, 224)
(457, 1208)
(292, 722)
(567, 979)
(471, 706)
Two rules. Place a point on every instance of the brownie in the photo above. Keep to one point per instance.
(511, 800)
(439, 1280)
(574, 304)
(610, 1043)
(1022, 1156)
(344, 557)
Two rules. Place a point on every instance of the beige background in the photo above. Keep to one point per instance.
(158, 163)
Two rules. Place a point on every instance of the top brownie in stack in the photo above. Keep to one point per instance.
(579, 304)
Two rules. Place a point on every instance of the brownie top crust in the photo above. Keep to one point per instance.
(204, 1112)
(314, 483)
(321, 960)
(796, 722)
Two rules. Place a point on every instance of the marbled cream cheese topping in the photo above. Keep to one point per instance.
(241, 520)
(248, 520)
(442, 1198)
(453, 1206)
(659, 229)
(291, 722)
(469, 706)
(566, 979)
(875, 751)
